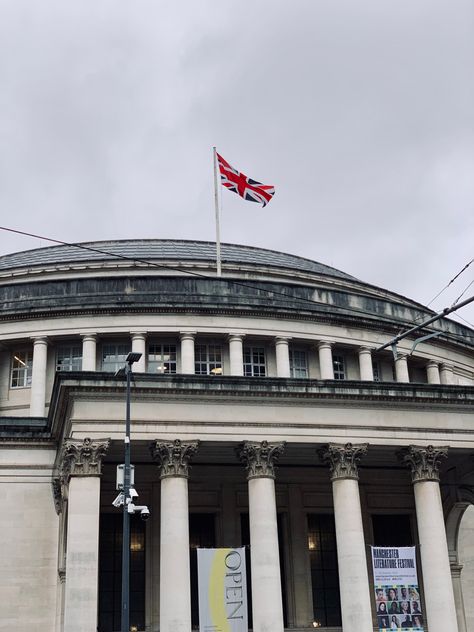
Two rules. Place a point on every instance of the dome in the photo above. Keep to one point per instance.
(167, 250)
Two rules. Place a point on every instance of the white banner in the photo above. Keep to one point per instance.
(397, 596)
(222, 590)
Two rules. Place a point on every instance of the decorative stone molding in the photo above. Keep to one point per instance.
(58, 494)
(283, 340)
(78, 458)
(260, 457)
(173, 456)
(40, 340)
(423, 462)
(187, 335)
(456, 570)
(234, 336)
(82, 458)
(343, 458)
(325, 344)
(62, 574)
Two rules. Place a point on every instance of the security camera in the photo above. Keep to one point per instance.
(118, 502)
(141, 509)
(133, 492)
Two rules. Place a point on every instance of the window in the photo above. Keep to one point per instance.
(22, 364)
(254, 362)
(162, 358)
(324, 572)
(298, 363)
(69, 359)
(110, 572)
(339, 365)
(376, 371)
(114, 356)
(207, 360)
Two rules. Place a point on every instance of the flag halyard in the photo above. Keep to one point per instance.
(244, 186)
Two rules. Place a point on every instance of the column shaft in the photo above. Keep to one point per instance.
(89, 352)
(282, 357)
(351, 555)
(432, 373)
(401, 369)
(82, 557)
(326, 366)
(438, 587)
(264, 554)
(38, 377)
(236, 354)
(446, 374)
(187, 353)
(175, 591)
(139, 346)
(365, 364)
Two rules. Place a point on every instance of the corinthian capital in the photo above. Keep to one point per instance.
(82, 458)
(173, 456)
(423, 462)
(343, 458)
(260, 458)
(77, 458)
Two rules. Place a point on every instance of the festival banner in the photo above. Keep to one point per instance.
(397, 595)
(222, 590)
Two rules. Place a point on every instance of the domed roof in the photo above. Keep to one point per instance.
(164, 249)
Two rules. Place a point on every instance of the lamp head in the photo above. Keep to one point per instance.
(133, 357)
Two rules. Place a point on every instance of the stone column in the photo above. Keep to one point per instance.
(282, 351)
(267, 605)
(446, 374)
(38, 377)
(139, 346)
(326, 366)
(236, 354)
(89, 352)
(81, 463)
(458, 595)
(438, 587)
(432, 372)
(365, 364)
(187, 352)
(401, 368)
(175, 587)
(351, 550)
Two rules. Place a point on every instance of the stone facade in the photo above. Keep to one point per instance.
(262, 414)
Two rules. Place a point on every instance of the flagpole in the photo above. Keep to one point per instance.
(218, 230)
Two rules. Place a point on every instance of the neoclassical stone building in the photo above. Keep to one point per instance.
(262, 415)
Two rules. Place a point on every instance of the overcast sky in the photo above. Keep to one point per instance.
(360, 112)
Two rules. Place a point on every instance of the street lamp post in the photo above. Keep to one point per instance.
(127, 369)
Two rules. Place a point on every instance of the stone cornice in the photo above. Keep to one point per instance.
(423, 461)
(343, 458)
(260, 458)
(173, 457)
(72, 386)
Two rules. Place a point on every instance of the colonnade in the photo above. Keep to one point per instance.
(80, 472)
(436, 373)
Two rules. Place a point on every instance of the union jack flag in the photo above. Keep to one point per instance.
(243, 185)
